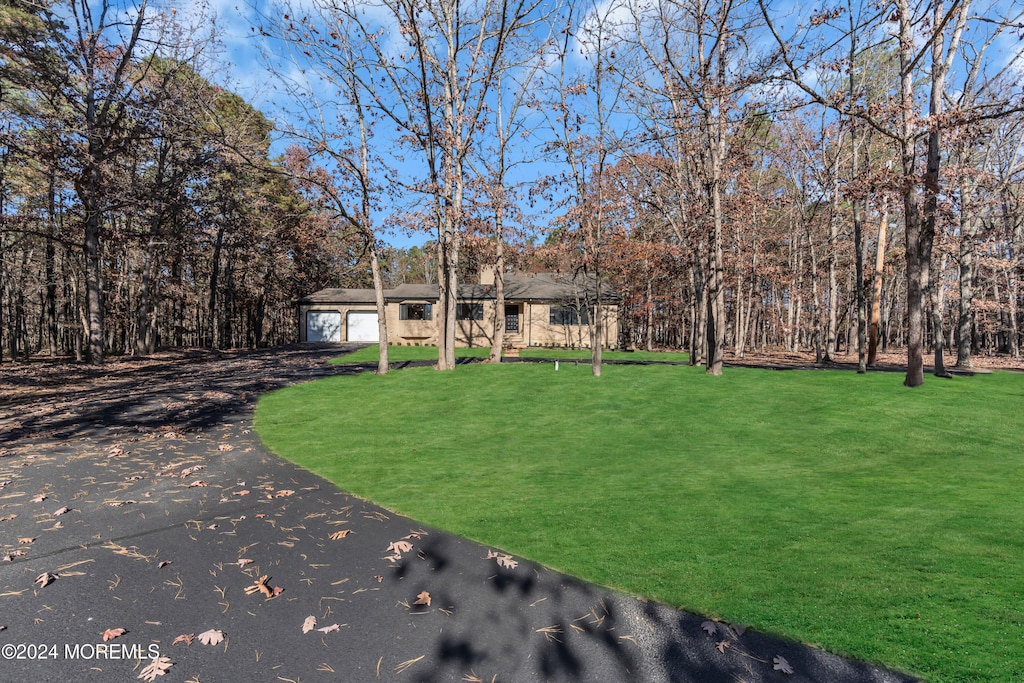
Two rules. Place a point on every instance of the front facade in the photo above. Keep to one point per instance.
(545, 309)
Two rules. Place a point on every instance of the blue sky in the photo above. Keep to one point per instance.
(242, 70)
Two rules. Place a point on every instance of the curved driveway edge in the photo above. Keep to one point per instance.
(139, 498)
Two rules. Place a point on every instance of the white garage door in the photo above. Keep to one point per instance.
(362, 326)
(323, 326)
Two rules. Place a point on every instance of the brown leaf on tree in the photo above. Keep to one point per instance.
(423, 599)
(211, 637)
(157, 666)
(184, 638)
(45, 579)
(112, 633)
(309, 624)
(338, 535)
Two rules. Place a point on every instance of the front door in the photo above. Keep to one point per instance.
(512, 318)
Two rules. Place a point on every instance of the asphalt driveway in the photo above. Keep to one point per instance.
(146, 533)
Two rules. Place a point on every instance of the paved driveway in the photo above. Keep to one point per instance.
(139, 498)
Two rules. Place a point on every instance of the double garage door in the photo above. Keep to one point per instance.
(325, 326)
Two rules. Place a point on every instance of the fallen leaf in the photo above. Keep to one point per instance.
(337, 535)
(243, 492)
(507, 562)
(9, 557)
(158, 666)
(781, 664)
(243, 562)
(722, 645)
(197, 482)
(112, 633)
(26, 541)
(38, 499)
(284, 493)
(423, 599)
(399, 547)
(64, 510)
(260, 585)
(309, 624)
(162, 564)
(211, 637)
(225, 447)
(45, 579)
(710, 626)
(184, 638)
(7, 518)
(329, 629)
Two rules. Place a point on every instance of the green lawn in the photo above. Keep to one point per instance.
(841, 510)
(397, 354)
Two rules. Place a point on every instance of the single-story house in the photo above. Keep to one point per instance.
(542, 309)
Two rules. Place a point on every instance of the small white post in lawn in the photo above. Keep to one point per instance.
(556, 366)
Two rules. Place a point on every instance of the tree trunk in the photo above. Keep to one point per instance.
(498, 336)
(965, 310)
(876, 298)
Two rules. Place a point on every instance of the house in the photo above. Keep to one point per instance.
(542, 309)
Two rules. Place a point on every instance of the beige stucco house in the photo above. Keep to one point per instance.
(542, 309)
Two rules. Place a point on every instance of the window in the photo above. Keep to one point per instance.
(414, 311)
(469, 311)
(569, 315)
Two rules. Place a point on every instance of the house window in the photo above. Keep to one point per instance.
(569, 315)
(469, 311)
(415, 312)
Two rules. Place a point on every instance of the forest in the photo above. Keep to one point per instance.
(744, 177)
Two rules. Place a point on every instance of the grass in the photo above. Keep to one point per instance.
(399, 354)
(840, 510)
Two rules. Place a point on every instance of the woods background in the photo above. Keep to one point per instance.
(851, 180)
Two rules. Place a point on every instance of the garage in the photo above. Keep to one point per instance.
(323, 326)
(361, 326)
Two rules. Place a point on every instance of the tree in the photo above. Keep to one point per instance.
(429, 70)
(905, 124)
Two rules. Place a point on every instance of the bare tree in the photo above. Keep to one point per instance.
(929, 33)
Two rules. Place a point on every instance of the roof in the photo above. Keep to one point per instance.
(518, 287)
(335, 295)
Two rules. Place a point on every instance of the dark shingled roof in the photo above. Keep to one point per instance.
(334, 295)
